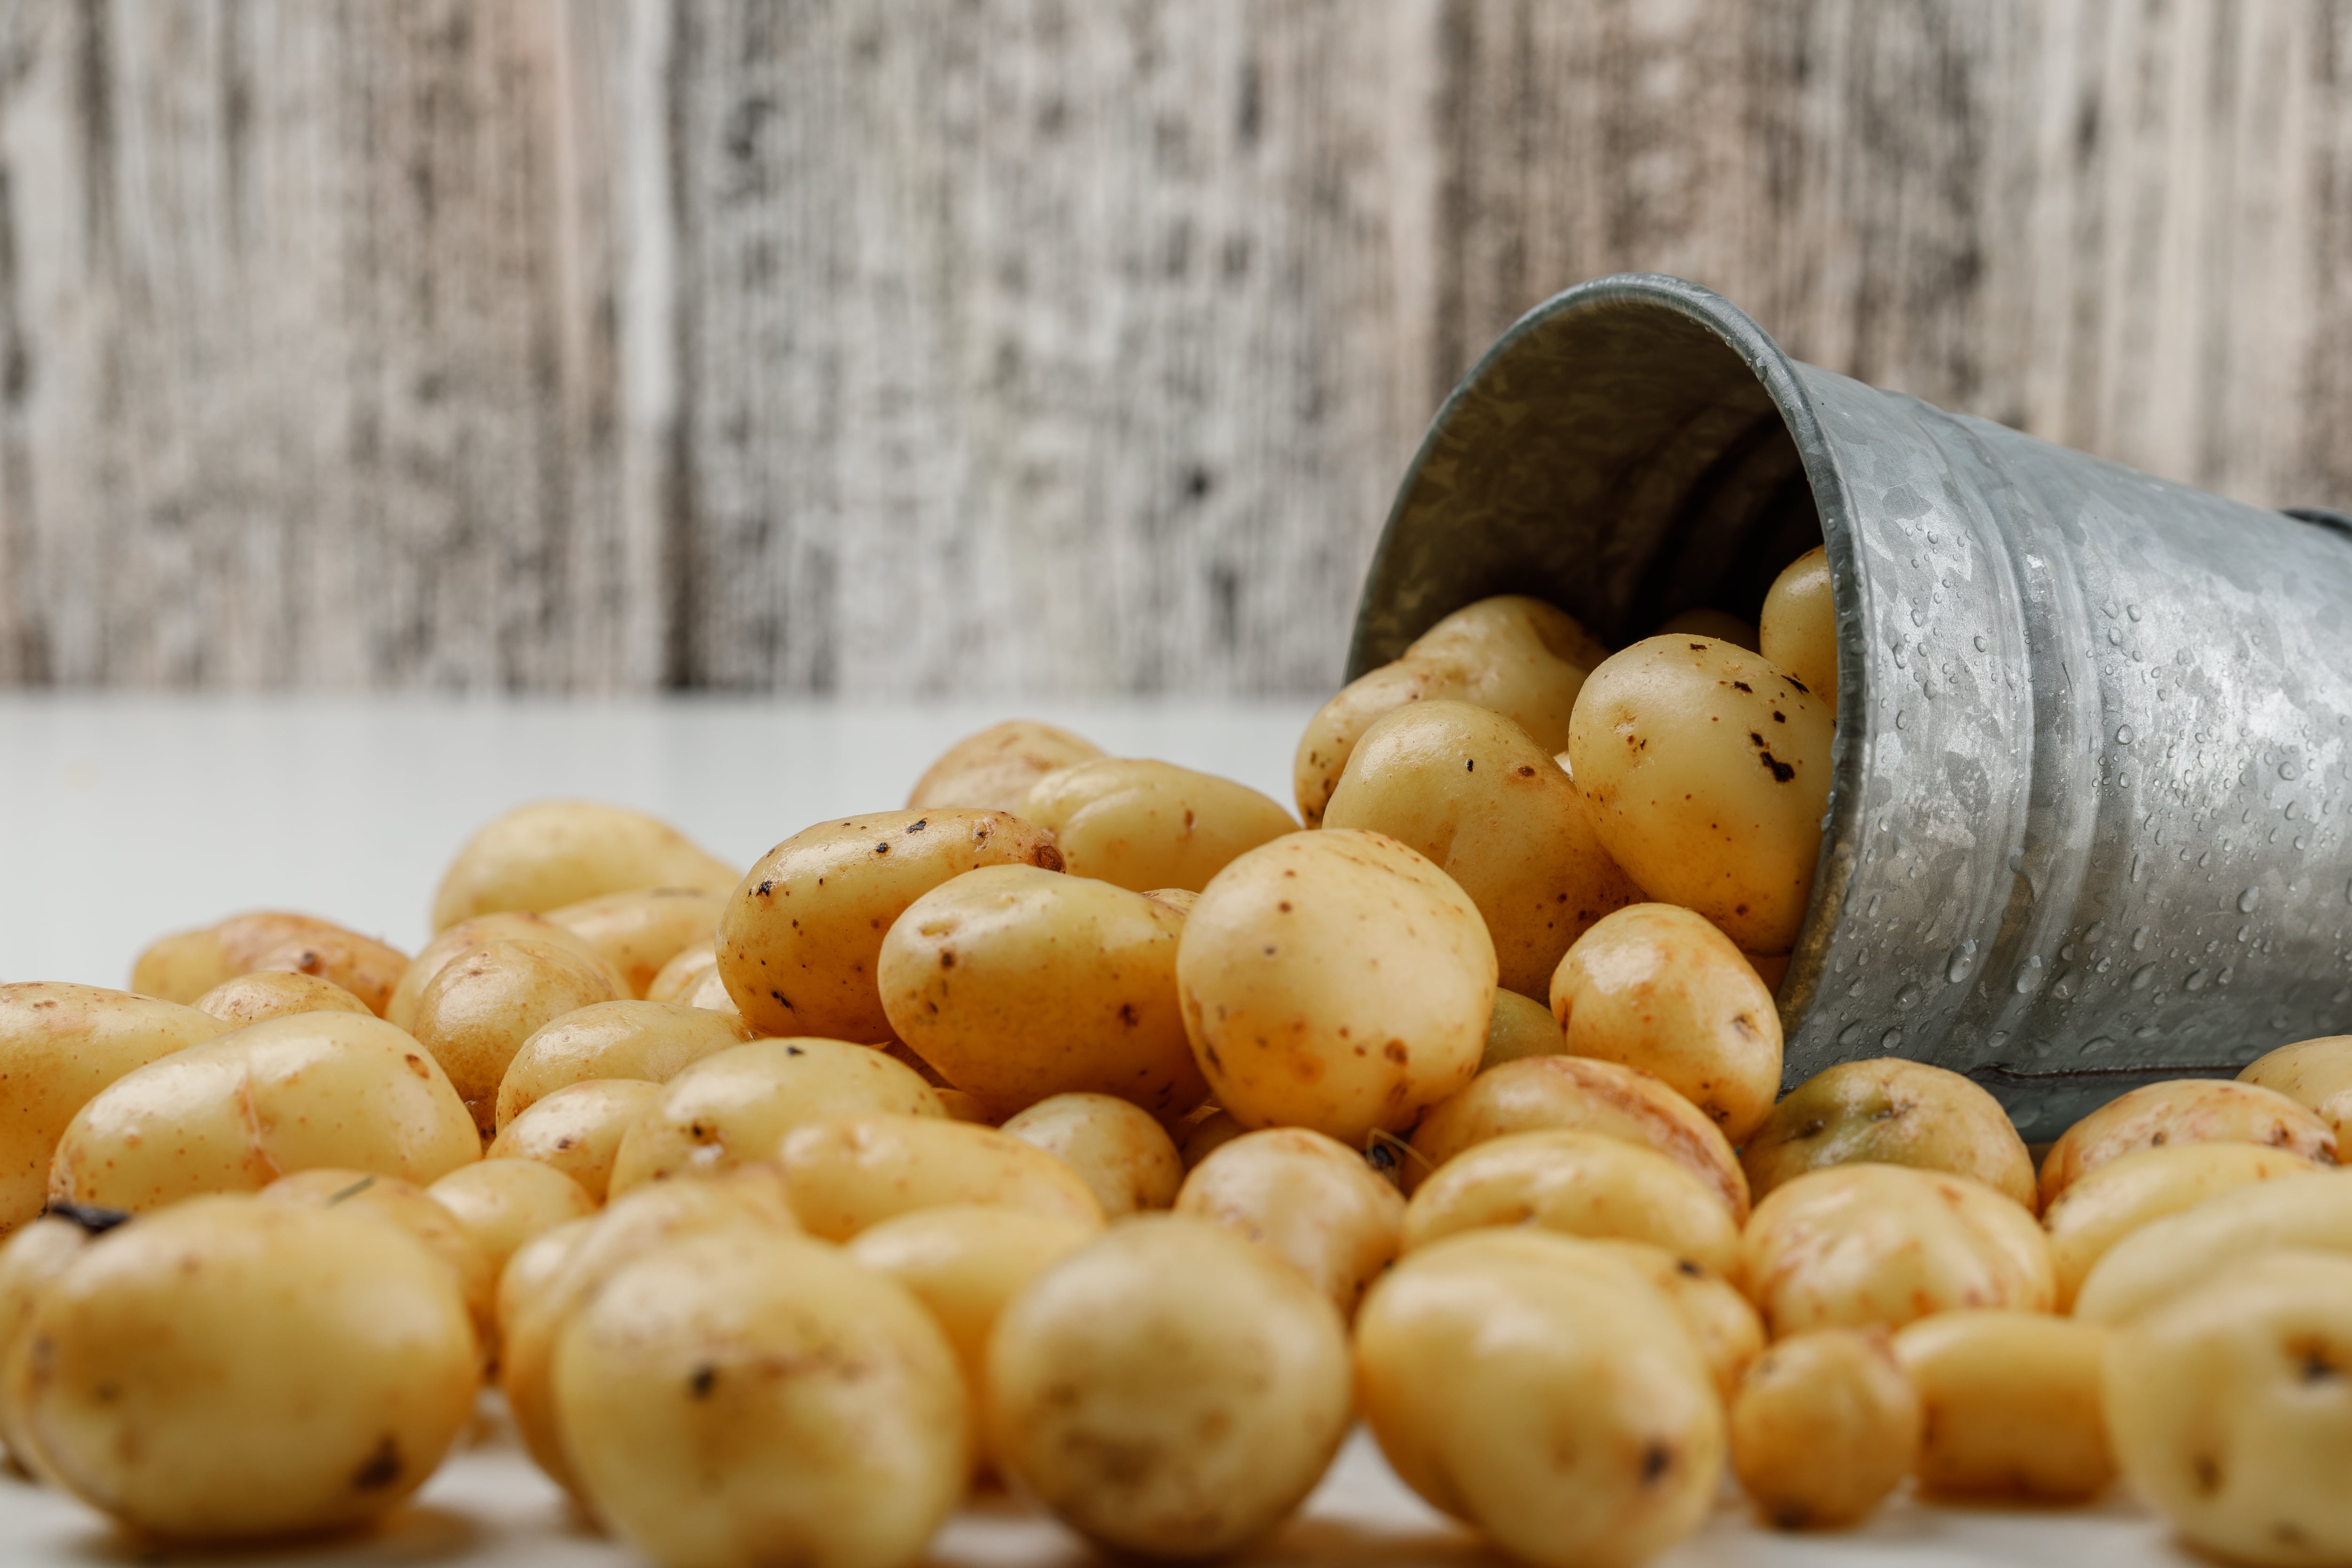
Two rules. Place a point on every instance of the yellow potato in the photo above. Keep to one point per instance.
(232, 1370)
(992, 769)
(1517, 656)
(480, 932)
(686, 969)
(30, 1260)
(1824, 1427)
(1720, 625)
(739, 1401)
(711, 995)
(236, 1113)
(1723, 1328)
(851, 1172)
(552, 853)
(2232, 1410)
(476, 1013)
(577, 1130)
(184, 966)
(1544, 1394)
(2184, 1110)
(1168, 1389)
(1659, 988)
(1889, 1112)
(802, 938)
(1467, 788)
(2143, 1186)
(1181, 899)
(1856, 1245)
(1125, 1157)
(1585, 1095)
(535, 1266)
(1142, 824)
(1520, 1026)
(1798, 629)
(1205, 1136)
(274, 994)
(1706, 771)
(59, 1046)
(1017, 984)
(1579, 1183)
(2169, 1256)
(2012, 1401)
(368, 969)
(405, 1207)
(640, 932)
(1335, 980)
(1772, 969)
(654, 1041)
(733, 1107)
(2315, 1074)
(503, 1203)
(1312, 1202)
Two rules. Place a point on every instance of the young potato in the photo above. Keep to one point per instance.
(2142, 1187)
(686, 969)
(30, 1260)
(231, 1370)
(2012, 1401)
(1579, 1183)
(274, 994)
(1706, 771)
(1798, 629)
(1141, 824)
(1516, 656)
(732, 1107)
(802, 938)
(1520, 1026)
(1017, 984)
(1335, 980)
(368, 969)
(1467, 788)
(2231, 1411)
(1772, 969)
(851, 1172)
(2184, 1110)
(2315, 1074)
(478, 1011)
(1723, 1328)
(2169, 1256)
(184, 966)
(1543, 1394)
(992, 769)
(1720, 625)
(1856, 1245)
(60, 1045)
(641, 930)
(653, 1041)
(1205, 1136)
(502, 1203)
(236, 1113)
(1580, 1093)
(1312, 1202)
(1168, 1389)
(577, 1130)
(1889, 1112)
(554, 853)
(737, 1401)
(711, 995)
(1824, 1427)
(405, 1207)
(535, 1266)
(1125, 1157)
(480, 932)
(1659, 988)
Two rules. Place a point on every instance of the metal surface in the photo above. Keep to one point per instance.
(2086, 819)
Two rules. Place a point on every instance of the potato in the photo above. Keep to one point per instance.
(184, 966)
(737, 1401)
(552, 853)
(1181, 899)
(1516, 656)
(405, 1207)
(2184, 1110)
(654, 1041)
(802, 938)
(1467, 788)
(236, 1113)
(232, 1370)
(502, 1203)
(1127, 1158)
(2315, 1074)
(1772, 969)
(641, 930)
(992, 769)
(1856, 1245)
(535, 1267)
(2012, 1401)
(1659, 988)
(274, 994)
(1824, 1427)
(2169, 1256)
(1519, 1026)
(732, 1107)
(1579, 1183)
(30, 1260)
(1798, 631)
(368, 969)
(709, 994)
(1017, 984)
(1588, 1095)
(480, 932)
(1706, 771)
(851, 1172)
(1889, 1112)
(476, 1013)
(577, 1130)
(688, 968)
(1723, 1328)
(1548, 1397)
(2231, 1410)
(2143, 1186)
(1335, 980)
(1168, 1389)
(1141, 824)
(59, 1046)
(1205, 1136)
(1313, 1202)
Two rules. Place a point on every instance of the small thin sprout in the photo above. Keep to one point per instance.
(354, 1190)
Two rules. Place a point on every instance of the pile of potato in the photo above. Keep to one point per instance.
(1089, 1127)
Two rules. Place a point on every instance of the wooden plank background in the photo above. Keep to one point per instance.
(932, 346)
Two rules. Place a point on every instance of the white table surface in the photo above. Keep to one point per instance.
(121, 818)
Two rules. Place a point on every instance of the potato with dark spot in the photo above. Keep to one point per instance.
(476, 1015)
(1141, 823)
(1889, 1112)
(184, 966)
(2133, 1190)
(1520, 1026)
(480, 932)
(1316, 1204)
(847, 1173)
(551, 853)
(577, 1130)
(1799, 628)
(368, 969)
(274, 994)
(641, 930)
(2315, 1074)
(1723, 1328)
(2184, 1110)
(1824, 1427)
(2012, 1405)
(653, 1041)
(992, 769)
(1123, 1155)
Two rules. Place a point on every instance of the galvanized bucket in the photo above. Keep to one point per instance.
(2086, 822)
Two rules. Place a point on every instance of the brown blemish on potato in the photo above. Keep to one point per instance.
(382, 1468)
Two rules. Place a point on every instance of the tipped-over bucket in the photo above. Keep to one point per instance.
(2086, 816)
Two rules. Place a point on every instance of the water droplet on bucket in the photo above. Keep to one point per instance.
(1918, 617)
(1889, 1040)
(2245, 931)
(2097, 932)
(2063, 986)
(1853, 1035)
(2135, 868)
(2098, 1043)
(2123, 736)
(2145, 1032)
(2196, 981)
(2139, 939)
(2029, 976)
(2223, 978)
(1901, 719)
(2116, 636)
(2248, 900)
(1981, 643)
(2131, 610)
(1963, 959)
(2289, 770)
(2143, 977)
(1908, 997)
(2108, 608)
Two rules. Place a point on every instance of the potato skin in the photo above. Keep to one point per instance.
(2315, 1074)
(1139, 825)
(2139, 1188)
(654, 1041)
(991, 770)
(1467, 788)
(1723, 1328)
(185, 964)
(1889, 1112)
(2172, 1256)
(368, 969)
(512, 925)
(551, 853)
(1519, 1026)
(1335, 980)
(1313, 1202)
(502, 1203)
(1707, 769)
(802, 938)
(474, 1016)
(641, 930)
(2184, 1110)
(274, 994)
(847, 1173)
(1798, 630)
(577, 1130)
(33, 1256)
(1125, 1157)
(405, 1207)
(1824, 1427)
(2012, 1404)
(686, 969)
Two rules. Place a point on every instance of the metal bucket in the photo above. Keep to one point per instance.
(2088, 800)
